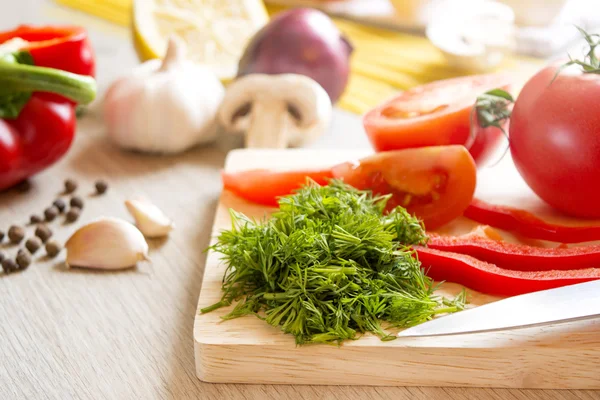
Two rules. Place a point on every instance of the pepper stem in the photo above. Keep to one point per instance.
(28, 78)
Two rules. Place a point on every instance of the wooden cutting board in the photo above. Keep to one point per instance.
(248, 350)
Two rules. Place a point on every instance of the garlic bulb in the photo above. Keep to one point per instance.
(106, 243)
(164, 106)
(149, 219)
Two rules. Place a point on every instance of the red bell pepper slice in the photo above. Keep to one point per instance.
(518, 256)
(488, 278)
(37, 102)
(528, 225)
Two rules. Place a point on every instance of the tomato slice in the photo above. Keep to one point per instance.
(436, 184)
(436, 114)
(265, 187)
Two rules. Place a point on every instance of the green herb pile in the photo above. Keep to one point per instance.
(328, 266)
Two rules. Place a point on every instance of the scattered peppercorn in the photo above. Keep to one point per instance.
(101, 187)
(35, 219)
(23, 259)
(33, 244)
(60, 205)
(2, 256)
(43, 232)
(70, 186)
(76, 202)
(1, 236)
(51, 213)
(9, 266)
(73, 214)
(53, 248)
(16, 234)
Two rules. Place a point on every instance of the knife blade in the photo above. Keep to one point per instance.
(565, 304)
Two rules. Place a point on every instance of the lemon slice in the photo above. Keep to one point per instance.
(216, 32)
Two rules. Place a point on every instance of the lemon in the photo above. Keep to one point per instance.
(216, 31)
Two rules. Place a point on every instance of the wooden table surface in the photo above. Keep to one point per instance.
(79, 334)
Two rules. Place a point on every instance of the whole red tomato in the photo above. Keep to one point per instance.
(555, 139)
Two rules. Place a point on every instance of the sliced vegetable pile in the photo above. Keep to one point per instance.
(329, 265)
(436, 185)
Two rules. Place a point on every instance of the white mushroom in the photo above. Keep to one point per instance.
(276, 111)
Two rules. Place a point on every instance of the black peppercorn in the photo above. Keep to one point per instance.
(101, 187)
(76, 202)
(73, 214)
(60, 205)
(16, 234)
(1, 236)
(33, 244)
(53, 248)
(23, 259)
(70, 186)
(43, 232)
(51, 213)
(9, 266)
(35, 219)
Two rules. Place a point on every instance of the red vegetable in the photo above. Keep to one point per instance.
(301, 41)
(518, 256)
(37, 103)
(554, 137)
(528, 225)
(435, 183)
(61, 47)
(488, 278)
(264, 187)
(438, 113)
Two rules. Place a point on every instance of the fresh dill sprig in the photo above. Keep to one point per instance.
(328, 266)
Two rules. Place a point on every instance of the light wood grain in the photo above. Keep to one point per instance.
(247, 350)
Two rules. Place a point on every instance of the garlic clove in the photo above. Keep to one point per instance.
(106, 243)
(150, 219)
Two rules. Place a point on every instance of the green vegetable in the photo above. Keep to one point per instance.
(19, 78)
(327, 266)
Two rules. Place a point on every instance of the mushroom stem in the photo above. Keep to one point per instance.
(269, 128)
(176, 51)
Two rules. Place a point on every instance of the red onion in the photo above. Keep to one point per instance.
(301, 41)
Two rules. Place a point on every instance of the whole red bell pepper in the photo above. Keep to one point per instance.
(518, 256)
(488, 278)
(528, 225)
(44, 73)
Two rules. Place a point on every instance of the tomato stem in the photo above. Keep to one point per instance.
(590, 63)
(492, 108)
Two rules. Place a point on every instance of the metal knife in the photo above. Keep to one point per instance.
(565, 304)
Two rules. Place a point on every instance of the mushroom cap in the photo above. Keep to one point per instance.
(302, 97)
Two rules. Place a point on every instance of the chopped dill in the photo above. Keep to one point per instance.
(328, 266)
